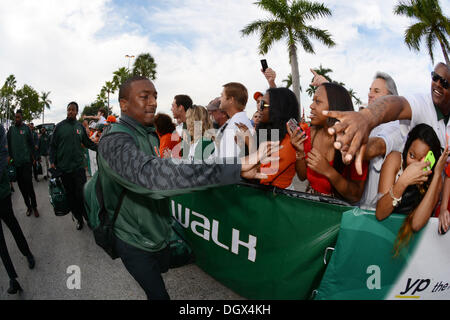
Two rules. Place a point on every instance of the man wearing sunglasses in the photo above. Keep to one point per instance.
(353, 128)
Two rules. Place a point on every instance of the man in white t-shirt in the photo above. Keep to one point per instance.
(99, 118)
(353, 128)
(233, 100)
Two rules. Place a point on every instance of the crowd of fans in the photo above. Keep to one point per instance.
(393, 171)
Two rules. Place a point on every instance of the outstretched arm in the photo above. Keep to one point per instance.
(353, 128)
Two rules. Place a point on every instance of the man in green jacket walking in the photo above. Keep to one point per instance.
(129, 168)
(7, 215)
(21, 151)
(67, 157)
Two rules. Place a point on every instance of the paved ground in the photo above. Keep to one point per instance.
(57, 245)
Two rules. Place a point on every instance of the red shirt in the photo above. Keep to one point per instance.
(319, 182)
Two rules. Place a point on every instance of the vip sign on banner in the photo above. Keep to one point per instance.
(363, 265)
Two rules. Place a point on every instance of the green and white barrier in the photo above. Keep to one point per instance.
(261, 244)
(363, 267)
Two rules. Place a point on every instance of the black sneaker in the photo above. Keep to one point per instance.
(31, 261)
(29, 211)
(80, 225)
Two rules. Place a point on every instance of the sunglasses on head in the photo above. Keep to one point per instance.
(436, 78)
(263, 105)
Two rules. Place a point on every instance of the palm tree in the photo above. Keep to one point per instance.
(432, 25)
(288, 81)
(108, 88)
(145, 66)
(45, 102)
(288, 21)
(120, 76)
(323, 72)
(354, 96)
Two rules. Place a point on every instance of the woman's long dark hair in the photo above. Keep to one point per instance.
(283, 106)
(338, 100)
(414, 194)
(164, 124)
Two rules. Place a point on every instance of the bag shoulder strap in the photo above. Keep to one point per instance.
(103, 213)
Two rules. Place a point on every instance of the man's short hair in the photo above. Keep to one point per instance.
(183, 100)
(72, 103)
(238, 91)
(390, 83)
(124, 89)
(19, 111)
(102, 111)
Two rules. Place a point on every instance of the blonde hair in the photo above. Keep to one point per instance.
(196, 116)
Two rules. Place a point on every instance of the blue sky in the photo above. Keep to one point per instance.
(72, 47)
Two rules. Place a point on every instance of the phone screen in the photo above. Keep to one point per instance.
(264, 64)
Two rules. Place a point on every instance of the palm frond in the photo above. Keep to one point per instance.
(413, 35)
(310, 10)
(322, 35)
(278, 8)
(430, 41)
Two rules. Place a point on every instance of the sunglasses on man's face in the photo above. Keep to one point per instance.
(263, 105)
(436, 78)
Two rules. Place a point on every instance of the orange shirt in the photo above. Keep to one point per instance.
(166, 143)
(285, 172)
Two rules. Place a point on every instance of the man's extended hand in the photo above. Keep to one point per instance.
(352, 134)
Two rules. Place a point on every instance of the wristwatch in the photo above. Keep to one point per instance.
(395, 201)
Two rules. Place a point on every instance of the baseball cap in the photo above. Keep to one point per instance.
(256, 95)
(214, 104)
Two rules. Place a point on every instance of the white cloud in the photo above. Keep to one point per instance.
(56, 46)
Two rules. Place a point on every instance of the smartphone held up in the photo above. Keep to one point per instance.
(264, 65)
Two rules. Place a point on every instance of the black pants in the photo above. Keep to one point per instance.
(35, 172)
(7, 215)
(25, 182)
(73, 184)
(146, 268)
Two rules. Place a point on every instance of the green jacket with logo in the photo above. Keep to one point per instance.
(127, 160)
(66, 151)
(20, 144)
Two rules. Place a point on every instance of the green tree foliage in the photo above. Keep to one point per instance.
(7, 98)
(288, 20)
(325, 72)
(145, 66)
(432, 25)
(92, 109)
(28, 100)
(288, 82)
